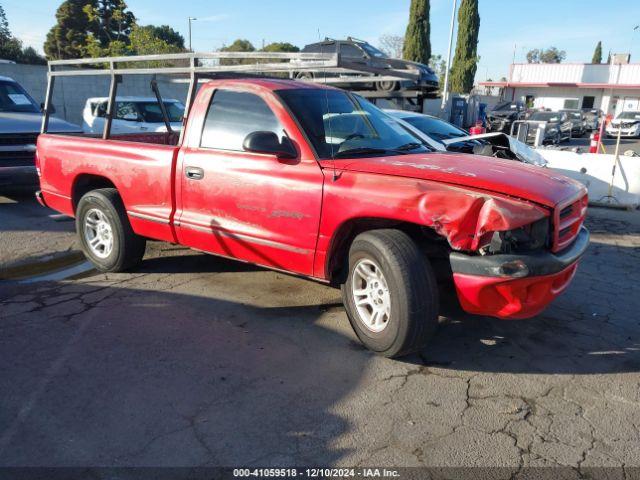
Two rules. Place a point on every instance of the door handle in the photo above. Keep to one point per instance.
(194, 173)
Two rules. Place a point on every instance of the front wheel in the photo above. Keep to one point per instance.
(105, 233)
(390, 293)
(387, 86)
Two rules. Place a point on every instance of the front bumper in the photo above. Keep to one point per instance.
(515, 286)
(19, 176)
(625, 132)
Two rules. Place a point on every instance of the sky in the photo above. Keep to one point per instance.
(505, 25)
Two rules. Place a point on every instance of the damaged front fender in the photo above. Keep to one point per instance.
(468, 219)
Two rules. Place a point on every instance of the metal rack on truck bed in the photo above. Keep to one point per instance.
(330, 68)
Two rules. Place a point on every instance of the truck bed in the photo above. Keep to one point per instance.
(141, 167)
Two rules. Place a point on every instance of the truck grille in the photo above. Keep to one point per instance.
(568, 219)
(17, 150)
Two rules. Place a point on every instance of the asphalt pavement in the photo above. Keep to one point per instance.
(194, 360)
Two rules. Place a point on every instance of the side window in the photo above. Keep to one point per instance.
(127, 111)
(234, 115)
(349, 50)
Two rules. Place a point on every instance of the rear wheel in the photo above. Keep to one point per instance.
(304, 76)
(105, 233)
(390, 294)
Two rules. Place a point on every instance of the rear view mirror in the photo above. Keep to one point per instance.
(268, 143)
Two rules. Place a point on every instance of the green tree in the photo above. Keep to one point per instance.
(550, 55)
(5, 32)
(11, 47)
(167, 35)
(240, 45)
(69, 37)
(417, 42)
(597, 54)
(111, 21)
(465, 60)
(439, 65)
(30, 56)
(280, 47)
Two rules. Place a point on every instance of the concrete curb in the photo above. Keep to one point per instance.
(41, 265)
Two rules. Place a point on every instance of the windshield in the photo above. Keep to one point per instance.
(341, 125)
(13, 98)
(545, 116)
(434, 128)
(373, 51)
(575, 115)
(151, 113)
(629, 116)
(525, 153)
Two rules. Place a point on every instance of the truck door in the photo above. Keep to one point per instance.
(250, 206)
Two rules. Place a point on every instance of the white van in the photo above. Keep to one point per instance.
(132, 115)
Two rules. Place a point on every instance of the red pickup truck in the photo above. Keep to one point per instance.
(318, 182)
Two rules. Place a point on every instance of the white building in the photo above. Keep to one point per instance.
(613, 88)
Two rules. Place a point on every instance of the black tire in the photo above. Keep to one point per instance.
(412, 289)
(387, 86)
(127, 247)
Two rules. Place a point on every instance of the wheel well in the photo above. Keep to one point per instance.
(433, 245)
(85, 183)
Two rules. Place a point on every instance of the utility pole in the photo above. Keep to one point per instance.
(445, 93)
(191, 19)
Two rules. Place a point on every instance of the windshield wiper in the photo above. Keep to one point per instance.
(365, 151)
(408, 146)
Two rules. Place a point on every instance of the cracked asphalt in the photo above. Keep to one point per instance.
(191, 360)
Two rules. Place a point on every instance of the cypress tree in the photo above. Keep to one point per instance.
(465, 61)
(597, 54)
(68, 37)
(417, 42)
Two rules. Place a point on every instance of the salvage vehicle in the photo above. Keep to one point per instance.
(592, 118)
(627, 124)
(578, 122)
(317, 182)
(20, 120)
(557, 127)
(366, 54)
(503, 115)
(447, 137)
(133, 114)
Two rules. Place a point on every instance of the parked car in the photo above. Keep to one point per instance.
(503, 115)
(446, 137)
(20, 122)
(578, 122)
(133, 115)
(320, 183)
(592, 118)
(627, 123)
(556, 124)
(364, 53)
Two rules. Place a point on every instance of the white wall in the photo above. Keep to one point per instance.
(554, 97)
(575, 73)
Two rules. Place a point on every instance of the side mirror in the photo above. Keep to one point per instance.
(52, 110)
(268, 143)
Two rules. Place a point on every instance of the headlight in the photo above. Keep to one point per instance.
(534, 236)
(552, 130)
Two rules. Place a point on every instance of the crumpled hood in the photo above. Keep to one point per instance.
(540, 185)
(23, 122)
